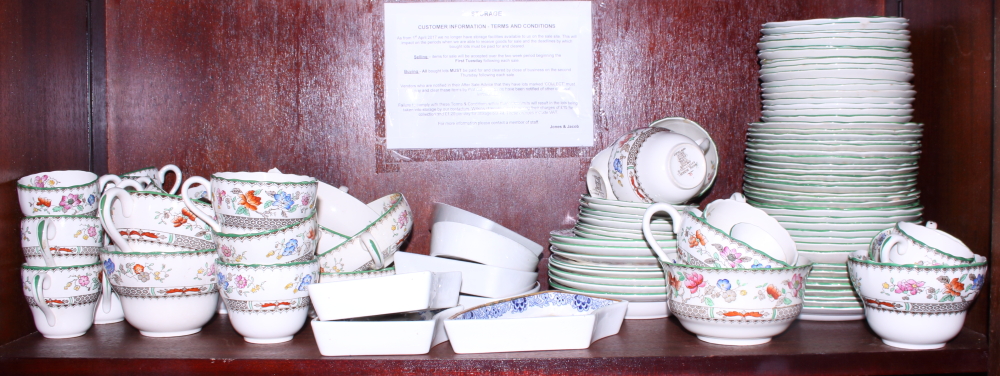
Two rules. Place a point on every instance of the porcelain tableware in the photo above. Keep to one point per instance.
(372, 248)
(147, 221)
(448, 213)
(341, 212)
(542, 321)
(292, 243)
(325, 277)
(630, 297)
(695, 131)
(477, 279)
(267, 303)
(164, 294)
(909, 243)
(655, 164)
(418, 291)
(463, 242)
(473, 300)
(247, 202)
(597, 176)
(612, 288)
(158, 177)
(58, 193)
(394, 334)
(62, 299)
(729, 213)
(65, 240)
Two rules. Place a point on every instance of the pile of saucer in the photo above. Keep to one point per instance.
(605, 255)
(834, 158)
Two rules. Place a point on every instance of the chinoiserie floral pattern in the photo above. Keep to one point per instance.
(139, 272)
(67, 204)
(265, 203)
(44, 181)
(206, 271)
(294, 247)
(621, 165)
(700, 245)
(694, 287)
(84, 282)
(245, 284)
(184, 219)
(931, 256)
(942, 289)
(579, 303)
(87, 232)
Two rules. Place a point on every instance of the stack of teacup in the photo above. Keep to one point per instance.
(917, 283)
(264, 228)
(737, 278)
(673, 160)
(61, 239)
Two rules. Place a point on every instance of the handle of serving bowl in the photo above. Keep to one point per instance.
(368, 241)
(105, 211)
(43, 281)
(46, 232)
(194, 208)
(162, 175)
(647, 232)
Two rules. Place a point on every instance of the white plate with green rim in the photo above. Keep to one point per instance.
(591, 232)
(839, 42)
(624, 209)
(811, 89)
(562, 261)
(828, 274)
(837, 60)
(901, 126)
(770, 68)
(851, 160)
(822, 34)
(816, 188)
(606, 272)
(820, 256)
(850, 155)
(800, 173)
(604, 201)
(608, 251)
(608, 295)
(814, 52)
(826, 27)
(827, 250)
(660, 282)
(833, 299)
(862, 21)
(837, 100)
(805, 218)
(839, 241)
(828, 205)
(613, 215)
(828, 181)
(828, 286)
(810, 229)
(834, 146)
(618, 289)
(834, 81)
(836, 129)
(830, 293)
(621, 224)
(830, 305)
(842, 213)
(824, 112)
(829, 233)
(831, 266)
(838, 118)
(819, 279)
(647, 261)
(869, 74)
(780, 194)
(836, 106)
(793, 143)
(568, 236)
(839, 93)
(829, 168)
(841, 137)
(833, 311)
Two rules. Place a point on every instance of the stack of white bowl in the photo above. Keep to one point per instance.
(834, 158)
(495, 262)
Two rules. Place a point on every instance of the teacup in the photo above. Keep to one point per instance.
(109, 309)
(146, 221)
(165, 294)
(700, 244)
(909, 243)
(341, 212)
(248, 202)
(62, 298)
(751, 225)
(373, 247)
(61, 240)
(916, 307)
(657, 165)
(267, 303)
(157, 177)
(58, 193)
(597, 176)
(292, 243)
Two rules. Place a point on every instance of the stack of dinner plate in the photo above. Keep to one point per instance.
(834, 158)
(605, 255)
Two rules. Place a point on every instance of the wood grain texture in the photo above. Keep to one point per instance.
(43, 104)
(658, 346)
(952, 46)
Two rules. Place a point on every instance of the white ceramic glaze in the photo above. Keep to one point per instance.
(477, 279)
(62, 299)
(472, 300)
(247, 202)
(158, 177)
(547, 320)
(597, 176)
(164, 294)
(350, 276)
(58, 193)
(341, 212)
(657, 165)
(909, 243)
(148, 221)
(292, 243)
(695, 132)
(726, 214)
(469, 243)
(267, 303)
(68, 240)
(372, 248)
(383, 295)
(448, 213)
(396, 334)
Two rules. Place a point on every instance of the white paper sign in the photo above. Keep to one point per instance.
(488, 75)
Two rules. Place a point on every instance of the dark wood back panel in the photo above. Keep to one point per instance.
(44, 111)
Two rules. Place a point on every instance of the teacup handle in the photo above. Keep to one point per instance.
(129, 183)
(647, 232)
(46, 232)
(162, 175)
(371, 246)
(106, 291)
(194, 208)
(894, 241)
(875, 250)
(105, 210)
(103, 181)
(43, 281)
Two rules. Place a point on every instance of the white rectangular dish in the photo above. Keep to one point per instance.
(395, 334)
(383, 295)
(549, 320)
(477, 279)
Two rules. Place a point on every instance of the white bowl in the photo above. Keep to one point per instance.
(542, 321)
(477, 279)
(383, 295)
(374, 246)
(341, 212)
(472, 300)
(267, 303)
(463, 242)
(395, 334)
(445, 212)
(292, 243)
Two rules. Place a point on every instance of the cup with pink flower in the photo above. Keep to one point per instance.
(67, 240)
(267, 303)
(62, 299)
(58, 193)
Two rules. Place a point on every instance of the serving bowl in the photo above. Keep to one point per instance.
(477, 279)
(393, 334)
(463, 242)
(384, 295)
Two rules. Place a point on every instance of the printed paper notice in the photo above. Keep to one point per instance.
(488, 75)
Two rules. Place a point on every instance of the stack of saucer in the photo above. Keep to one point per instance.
(605, 255)
(835, 156)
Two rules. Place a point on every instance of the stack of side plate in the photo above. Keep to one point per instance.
(834, 158)
(606, 255)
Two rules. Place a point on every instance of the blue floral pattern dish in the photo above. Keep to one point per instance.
(581, 304)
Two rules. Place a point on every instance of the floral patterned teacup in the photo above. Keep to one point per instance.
(157, 177)
(373, 247)
(916, 307)
(267, 303)
(247, 202)
(912, 244)
(164, 294)
(658, 165)
(153, 222)
(736, 306)
(63, 298)
(58, 193)
(57, 240)
(292, 243)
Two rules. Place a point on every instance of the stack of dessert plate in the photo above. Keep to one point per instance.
(605, 255)
(834, 158)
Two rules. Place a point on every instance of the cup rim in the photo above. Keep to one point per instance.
(158, 253)
(137, 170)
(928, 267)
(267, 232)
(164, 194)
(315, 260)
(65, 267)
(783, 268)
(392, 208)
(307, 180)
(935, 249)
(19, 185)
(702, 220)
(362, 271)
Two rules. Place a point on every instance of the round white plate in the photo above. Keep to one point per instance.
(851, 162)
(659, 282)
(648, 261)
(845, 93)
(851, 100)
(809, 89)
(824, 82)
(836, 60)
(826, 21)
(568, 236)
(821, 35)
(828, 180)
(837, 42)
(613, 215)
(630, 297)
(833, 241)
(833, 205)
(609, 288)
(624, 209)
(612, 224)
(850, 27)
(843, 137)
(615, 272)
(888, 128)
(811, 52)
(837, 106)
(829, 317)
(647, 310)
(832, 189)
(608, 251)
(832, 68)
(827, 256)
(833, 169)
(799, 220)
(868, 74)
(852, 112)
(853, 234)
(845, 213)
(584, 230)
(832, 146)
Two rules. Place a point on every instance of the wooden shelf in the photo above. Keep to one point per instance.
(642, 346)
